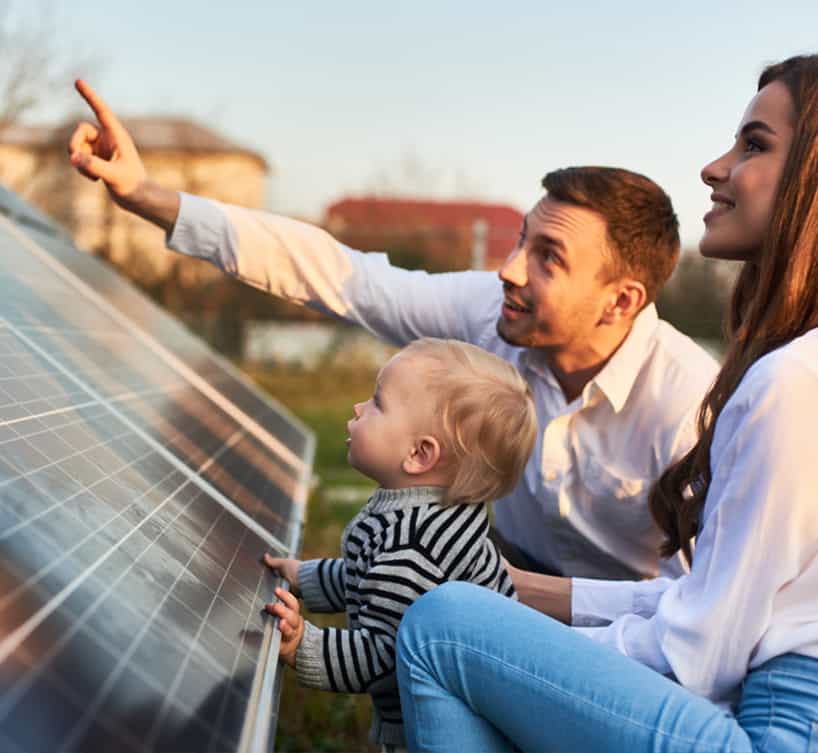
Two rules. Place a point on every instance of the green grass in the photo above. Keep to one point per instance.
(312, 720)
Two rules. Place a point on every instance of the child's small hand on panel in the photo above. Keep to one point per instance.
(288, 569)
(290, 623)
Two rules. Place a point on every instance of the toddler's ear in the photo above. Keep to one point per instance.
(423, 457)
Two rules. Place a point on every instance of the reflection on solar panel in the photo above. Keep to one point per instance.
(141, 479)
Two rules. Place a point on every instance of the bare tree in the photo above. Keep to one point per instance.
(37, 61)
(696, 297)
(411, 176)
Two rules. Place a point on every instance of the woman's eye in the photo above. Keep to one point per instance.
(753, 146)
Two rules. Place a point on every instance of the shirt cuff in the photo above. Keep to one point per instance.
(310, 586)
(600, 602)
(309, 664)
(203, 230)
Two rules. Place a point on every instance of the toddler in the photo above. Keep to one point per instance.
(448, 429)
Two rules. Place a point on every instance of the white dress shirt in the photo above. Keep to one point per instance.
(581, 508)
(752, 593)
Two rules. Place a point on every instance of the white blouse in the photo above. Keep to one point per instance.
(752, 593)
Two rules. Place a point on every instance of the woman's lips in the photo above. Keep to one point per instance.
(721, 205)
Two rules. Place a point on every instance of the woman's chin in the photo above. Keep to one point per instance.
(714, 248)
(708, 252)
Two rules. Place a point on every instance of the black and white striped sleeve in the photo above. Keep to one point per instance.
(350, 661)
(322, 585)
(490, 571)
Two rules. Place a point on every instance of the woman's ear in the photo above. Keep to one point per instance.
(423, 457)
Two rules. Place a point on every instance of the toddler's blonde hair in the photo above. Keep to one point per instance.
(488, 424)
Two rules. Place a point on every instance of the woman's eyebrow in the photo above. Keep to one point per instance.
(755, 125)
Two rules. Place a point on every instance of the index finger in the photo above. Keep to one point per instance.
(104, 113)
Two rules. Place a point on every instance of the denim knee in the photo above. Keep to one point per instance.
(433, 612)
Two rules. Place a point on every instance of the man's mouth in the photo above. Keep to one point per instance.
(515, 306)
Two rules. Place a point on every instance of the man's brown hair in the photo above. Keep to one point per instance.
(642, 228)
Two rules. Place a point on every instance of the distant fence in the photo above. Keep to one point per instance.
(309, 344)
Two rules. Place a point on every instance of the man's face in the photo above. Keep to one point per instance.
(555, 280)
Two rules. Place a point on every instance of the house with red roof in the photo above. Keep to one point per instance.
(434, 235)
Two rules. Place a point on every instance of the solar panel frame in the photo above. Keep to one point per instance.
(25, 226)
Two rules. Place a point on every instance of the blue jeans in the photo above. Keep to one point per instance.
(479, 672)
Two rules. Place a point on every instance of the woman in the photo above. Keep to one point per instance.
(722, 659)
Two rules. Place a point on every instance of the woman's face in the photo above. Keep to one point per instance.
(745, 179)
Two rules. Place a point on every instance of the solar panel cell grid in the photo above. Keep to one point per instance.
(170, 333)
(133, 588)
(135, 505)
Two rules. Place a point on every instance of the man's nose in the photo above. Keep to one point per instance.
(515, 268)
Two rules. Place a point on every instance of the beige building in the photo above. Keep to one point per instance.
(178, 153)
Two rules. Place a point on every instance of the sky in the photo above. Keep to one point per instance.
(448, 99)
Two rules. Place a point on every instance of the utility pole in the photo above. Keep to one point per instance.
(479, 232)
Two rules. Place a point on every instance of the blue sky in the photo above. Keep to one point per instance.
(475, 99)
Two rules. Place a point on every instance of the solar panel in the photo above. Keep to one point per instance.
(141, 479)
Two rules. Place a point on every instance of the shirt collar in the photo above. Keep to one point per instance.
(389, 500)
(618, 375)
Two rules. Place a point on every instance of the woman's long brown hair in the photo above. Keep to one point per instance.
(775, 300)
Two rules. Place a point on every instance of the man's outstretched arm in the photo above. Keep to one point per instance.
(292, 260)
(106, 152)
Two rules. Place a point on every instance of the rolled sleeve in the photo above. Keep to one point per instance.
(202, 230)
(600, 602)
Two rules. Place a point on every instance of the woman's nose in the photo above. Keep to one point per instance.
(716, 171)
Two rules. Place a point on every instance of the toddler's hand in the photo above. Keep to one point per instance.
(290, 623)
(288, 569)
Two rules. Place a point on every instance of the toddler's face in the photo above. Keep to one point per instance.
(385, 427)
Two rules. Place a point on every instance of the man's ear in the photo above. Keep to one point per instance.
(626, 300)
(423, 457)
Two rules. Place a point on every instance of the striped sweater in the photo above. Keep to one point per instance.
(403, 543)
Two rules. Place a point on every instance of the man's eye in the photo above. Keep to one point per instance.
(547, 256)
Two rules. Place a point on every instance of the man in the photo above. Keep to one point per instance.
(616, 389)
